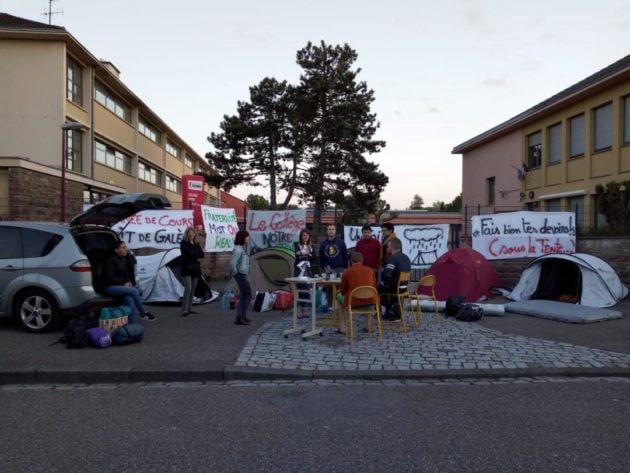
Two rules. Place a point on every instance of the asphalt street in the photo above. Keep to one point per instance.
(545, 424)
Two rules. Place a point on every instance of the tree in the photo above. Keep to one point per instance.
(438, 206)
(416, 203)
(381, 207)
(336, 132)
(252, 143)
(257, 202)
(455, 205)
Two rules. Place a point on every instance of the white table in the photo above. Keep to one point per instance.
(312, 290)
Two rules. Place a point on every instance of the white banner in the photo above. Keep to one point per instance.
(161, 229)
(221, 226)
(422, 243)
(523, 234)
(275, 228)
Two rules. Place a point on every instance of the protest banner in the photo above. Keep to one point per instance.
(275, 228)
(160, 229)
(423, 244)
(523, 234)
(220, 226)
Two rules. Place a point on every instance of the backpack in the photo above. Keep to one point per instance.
(453, 304)
(469, 313)
(76, 335)
(130, 333)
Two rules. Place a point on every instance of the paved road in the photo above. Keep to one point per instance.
(542, 424)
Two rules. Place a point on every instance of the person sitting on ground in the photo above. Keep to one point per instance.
(397, 263)
(118, 281)
(357, 275)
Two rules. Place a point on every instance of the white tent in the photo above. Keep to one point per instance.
(587, 279)
(158, 278)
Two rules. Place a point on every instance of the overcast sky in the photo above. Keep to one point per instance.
(442, 71)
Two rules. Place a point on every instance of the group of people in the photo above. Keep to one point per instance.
(375, 263)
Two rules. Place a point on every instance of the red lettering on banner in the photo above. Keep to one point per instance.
(496, 248)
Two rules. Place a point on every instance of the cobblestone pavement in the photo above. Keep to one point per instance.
(316, 382)
(442, 344)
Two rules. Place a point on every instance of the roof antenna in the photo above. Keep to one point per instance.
(50, 11)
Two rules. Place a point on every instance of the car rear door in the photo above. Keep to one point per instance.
(11, 262)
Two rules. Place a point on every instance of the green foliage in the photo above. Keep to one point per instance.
(613, 203)
(257, 202)
(455, 205)
(309, 140)
(417, 203)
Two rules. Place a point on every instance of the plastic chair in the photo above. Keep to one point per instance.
(364, 292)
(402, 293)
(429, 281)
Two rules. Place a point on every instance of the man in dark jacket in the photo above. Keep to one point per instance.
(397, 263)
(333, 257)
(118, 281)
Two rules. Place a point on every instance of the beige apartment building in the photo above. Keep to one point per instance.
(552, 156)
(57, 99)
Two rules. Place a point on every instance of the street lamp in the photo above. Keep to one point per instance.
(64, 130)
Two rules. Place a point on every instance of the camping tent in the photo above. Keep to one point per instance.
(581, 278)
(462, 271)
(270, 267)
(158, 279)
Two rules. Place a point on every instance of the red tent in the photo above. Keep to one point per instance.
(463, 271)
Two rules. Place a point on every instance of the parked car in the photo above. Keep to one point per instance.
(48, 270)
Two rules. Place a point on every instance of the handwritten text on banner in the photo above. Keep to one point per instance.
(220, 226)
(273, 228)
(161, 229)
(523, 234)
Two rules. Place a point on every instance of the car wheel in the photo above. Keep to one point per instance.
(37, 311)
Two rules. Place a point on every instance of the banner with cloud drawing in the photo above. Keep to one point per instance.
(424, 244)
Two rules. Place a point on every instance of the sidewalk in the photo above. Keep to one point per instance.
(209, 347)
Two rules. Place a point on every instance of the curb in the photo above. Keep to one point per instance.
(237, 373)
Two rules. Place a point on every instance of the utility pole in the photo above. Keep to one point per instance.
(50, 12)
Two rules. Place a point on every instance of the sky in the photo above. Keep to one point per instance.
(442, 71)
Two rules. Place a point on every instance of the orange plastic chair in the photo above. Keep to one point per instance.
(429, 282)
(364, 292)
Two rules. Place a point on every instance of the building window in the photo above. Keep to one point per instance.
(603, 127)
(534, 150)
(74, 150)
(554, 205)
(188, 162)
(555, 143)
(149, 174)
(490, 184)
(173, 184)
(114, 105)
(598, 218)
(626, 119)
(576, 205)
(576, 143)
(149, 131)
(112, 157)
(93, 197)
(172, 149)
(74, 84)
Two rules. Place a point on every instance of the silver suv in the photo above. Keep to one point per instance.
(50, 269)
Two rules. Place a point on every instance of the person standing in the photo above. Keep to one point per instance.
(333, 257)
(190, 269)
(357, 275)
(370, 248)
(118, 281)
(387, 236)
(239, 270)
(304, 252)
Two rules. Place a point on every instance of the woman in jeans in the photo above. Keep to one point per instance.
(190, 269)
(303, 252)
(239, 269)
(119, 282)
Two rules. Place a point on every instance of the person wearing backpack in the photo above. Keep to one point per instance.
(118, 282)
(190, 269)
